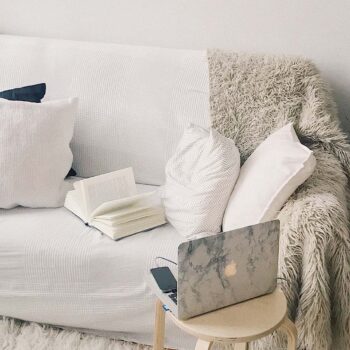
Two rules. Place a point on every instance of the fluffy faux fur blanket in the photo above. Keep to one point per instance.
(251, 96)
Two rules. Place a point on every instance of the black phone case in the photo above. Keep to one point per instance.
(164, 278)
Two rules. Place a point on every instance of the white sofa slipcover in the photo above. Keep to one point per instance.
(133, 101)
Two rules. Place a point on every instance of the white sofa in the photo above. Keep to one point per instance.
(133, 105)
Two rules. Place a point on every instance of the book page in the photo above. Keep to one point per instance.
(131, 227)
(74, 203)
(127, 217)
(108, 187)
(115, 205)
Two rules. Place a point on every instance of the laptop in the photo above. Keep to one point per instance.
(222, 270)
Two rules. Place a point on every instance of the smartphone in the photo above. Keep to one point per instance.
(164, 278)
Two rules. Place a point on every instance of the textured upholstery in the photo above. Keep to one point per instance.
(133, 101)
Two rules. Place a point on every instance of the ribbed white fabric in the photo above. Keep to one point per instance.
(199, 180)
(54, 269)
(133, 101)
(34, 152)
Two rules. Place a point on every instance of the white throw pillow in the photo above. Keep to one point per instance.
(35, 155)
(199, 180)
(268, 178)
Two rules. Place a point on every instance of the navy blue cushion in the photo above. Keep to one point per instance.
(31, 93)
(72, 172)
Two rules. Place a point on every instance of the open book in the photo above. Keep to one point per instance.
(110, 203)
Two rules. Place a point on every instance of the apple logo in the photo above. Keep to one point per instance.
(230, 269)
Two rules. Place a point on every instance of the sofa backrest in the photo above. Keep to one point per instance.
(133, 101)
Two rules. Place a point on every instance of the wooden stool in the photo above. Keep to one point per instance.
(240, 323)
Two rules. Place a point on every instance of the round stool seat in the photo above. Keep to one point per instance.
(242, 322)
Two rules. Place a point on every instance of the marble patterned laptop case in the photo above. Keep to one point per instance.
(227, 268)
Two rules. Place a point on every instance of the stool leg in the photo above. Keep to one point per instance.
(241, 346)
(289, 328)
(159, 327)
(203, 345)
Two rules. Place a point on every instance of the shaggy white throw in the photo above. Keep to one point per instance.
(17, 335)
(252, 96)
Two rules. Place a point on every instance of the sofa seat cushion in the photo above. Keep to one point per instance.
(54, 269)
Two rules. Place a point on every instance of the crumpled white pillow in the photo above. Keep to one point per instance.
(200, 177)
(35, 155)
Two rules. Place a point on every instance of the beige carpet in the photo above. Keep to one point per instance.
(17, 335)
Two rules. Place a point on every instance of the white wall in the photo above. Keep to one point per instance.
(318, 29)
